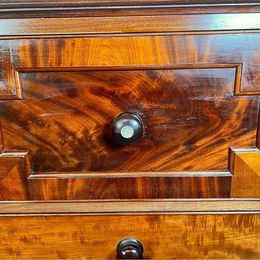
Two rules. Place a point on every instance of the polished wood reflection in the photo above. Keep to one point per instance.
(63, 80)
(190, 115)
(163, 236)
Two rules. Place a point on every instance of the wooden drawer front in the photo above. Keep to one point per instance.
(163, 236)
(60, 96)
(190, 116)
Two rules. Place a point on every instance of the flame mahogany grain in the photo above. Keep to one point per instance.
(191, 117)
(188, 70)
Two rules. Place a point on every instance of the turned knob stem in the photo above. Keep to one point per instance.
(127, 128)
(129, 248)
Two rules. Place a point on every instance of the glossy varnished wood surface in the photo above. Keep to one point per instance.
(16, 172)
(190, 118)
(190, 70)
(133, 207)
(129, 10)
(258, 132)
(228, 50)
(13, 177)
(246, 180)
(129, 24)
(163, 236)
(194, 82)
(114, 70)
(84, 3)
(171, 103)
(167, 228)
(73, 186)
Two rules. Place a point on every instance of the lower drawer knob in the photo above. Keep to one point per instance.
(127, 128)
(129, 248)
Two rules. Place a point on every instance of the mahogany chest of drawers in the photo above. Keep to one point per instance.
(124, 120)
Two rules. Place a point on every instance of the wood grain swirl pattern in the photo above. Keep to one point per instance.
(196, 91)
(190, 115)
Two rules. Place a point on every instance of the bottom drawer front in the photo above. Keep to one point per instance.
(163, 236)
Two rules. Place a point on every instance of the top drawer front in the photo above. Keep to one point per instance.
(196, 93)
(190, 118)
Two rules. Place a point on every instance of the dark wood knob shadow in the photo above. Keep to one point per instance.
(129, 248)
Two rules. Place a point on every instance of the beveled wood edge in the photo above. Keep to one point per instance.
(154, 206)
(132, 67)
(130, 6)
(16, 154)
(232, 154)
(102, 35)
(258, 131)
(12, 83)
(1, 139)
(23, 155)
(143, 24)
(112, 174)
(122, 174)
(237, 77)
(22, 4)
(238, 84)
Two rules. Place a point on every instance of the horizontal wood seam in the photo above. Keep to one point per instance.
(31, 5)
(102, 35)
(131, 206)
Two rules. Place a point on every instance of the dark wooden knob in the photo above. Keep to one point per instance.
(129, 248)
(127, 128)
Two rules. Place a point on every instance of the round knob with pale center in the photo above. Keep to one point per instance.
(127, 128)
